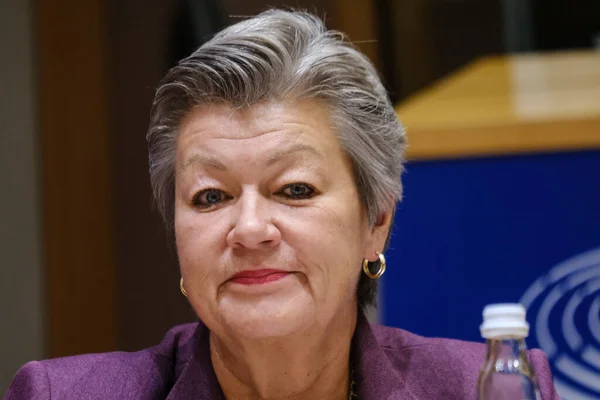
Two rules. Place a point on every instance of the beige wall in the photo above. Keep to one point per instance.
(21, 325)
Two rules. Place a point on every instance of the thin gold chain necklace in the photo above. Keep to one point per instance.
(352, 395)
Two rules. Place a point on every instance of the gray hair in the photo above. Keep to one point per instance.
(275, 56)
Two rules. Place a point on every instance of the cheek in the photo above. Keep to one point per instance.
(332, 241)
(349, 238)
(197, 248)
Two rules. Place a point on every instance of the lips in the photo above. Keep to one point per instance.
(258, 276)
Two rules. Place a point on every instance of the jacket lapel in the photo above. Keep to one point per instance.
(197, 379)
(376, 377)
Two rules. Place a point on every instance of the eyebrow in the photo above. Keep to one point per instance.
(199, 158)
(296, 148)
(278, 156)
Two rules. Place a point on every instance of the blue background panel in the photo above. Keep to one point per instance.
(477, 231)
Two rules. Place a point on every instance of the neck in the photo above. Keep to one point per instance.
(313, 364)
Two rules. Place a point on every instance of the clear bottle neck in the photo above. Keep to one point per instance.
(507, 373)
(507, 355)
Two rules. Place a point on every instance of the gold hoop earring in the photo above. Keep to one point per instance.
(183, 292)
(379, 272)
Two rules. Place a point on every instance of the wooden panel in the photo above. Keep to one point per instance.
(413, 48)
(505, 105)
(498, 140)
(358, 20)
(147, 268)
(77, 184)
(432, 38)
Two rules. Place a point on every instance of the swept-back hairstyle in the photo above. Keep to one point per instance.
(275, 56)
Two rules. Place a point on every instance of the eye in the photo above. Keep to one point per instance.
(298, 191)
(209, 198)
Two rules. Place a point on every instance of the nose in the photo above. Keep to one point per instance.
(253, 226)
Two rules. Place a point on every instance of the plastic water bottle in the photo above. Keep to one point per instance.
(506, 373)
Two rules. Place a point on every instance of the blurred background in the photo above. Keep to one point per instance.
(501, 99)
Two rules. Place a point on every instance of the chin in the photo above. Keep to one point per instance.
(268, 318)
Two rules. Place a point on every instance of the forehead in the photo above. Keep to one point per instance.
(259, 130)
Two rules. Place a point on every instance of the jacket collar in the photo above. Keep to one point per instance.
(194, 373)
(376, 377)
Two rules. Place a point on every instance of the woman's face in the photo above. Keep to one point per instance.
(270, 231)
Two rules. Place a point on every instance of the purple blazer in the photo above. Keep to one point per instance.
(389, 363)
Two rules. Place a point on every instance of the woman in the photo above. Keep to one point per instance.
(275, 158)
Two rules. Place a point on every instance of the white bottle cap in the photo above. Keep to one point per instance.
(504, 320)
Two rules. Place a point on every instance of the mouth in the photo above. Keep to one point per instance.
(258, 277)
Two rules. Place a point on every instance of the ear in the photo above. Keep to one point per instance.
(379, 234)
